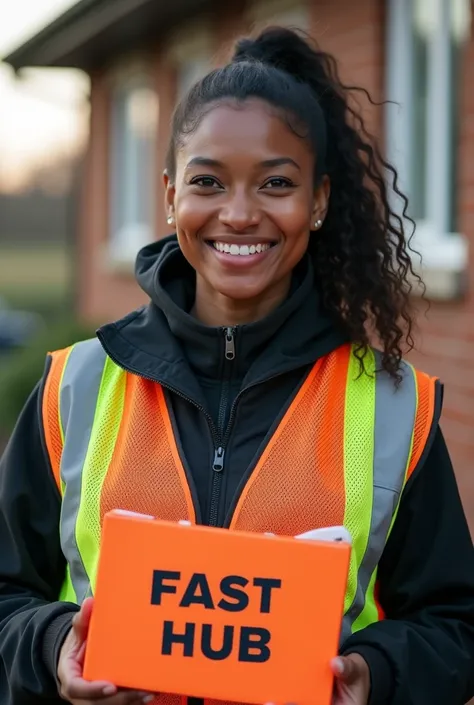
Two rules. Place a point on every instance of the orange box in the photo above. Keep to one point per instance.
(212, 613)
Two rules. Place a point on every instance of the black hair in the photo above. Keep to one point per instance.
(360, 254)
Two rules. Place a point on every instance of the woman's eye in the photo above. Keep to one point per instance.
(206, 182)
(278, 183)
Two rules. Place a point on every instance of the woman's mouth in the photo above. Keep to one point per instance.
(235, 250)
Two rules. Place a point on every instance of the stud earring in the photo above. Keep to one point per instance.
(318, 224)
(170, 220)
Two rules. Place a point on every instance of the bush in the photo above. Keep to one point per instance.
(21, 370)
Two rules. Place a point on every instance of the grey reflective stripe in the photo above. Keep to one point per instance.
(395, 413)
(78, 398)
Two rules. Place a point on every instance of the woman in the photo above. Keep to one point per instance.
(247, 395)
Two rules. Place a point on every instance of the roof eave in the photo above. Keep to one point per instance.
(92, 30)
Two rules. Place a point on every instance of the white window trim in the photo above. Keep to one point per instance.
(115, 257)
(441, 250)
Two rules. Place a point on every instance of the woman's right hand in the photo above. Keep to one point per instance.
(73, 687)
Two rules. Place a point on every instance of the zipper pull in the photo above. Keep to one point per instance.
(218, 463)
(229, 344)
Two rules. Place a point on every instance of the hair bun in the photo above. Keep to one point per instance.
(280, 47)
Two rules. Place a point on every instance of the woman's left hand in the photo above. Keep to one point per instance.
(352, 680)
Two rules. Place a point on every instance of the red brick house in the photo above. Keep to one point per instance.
(142, 54)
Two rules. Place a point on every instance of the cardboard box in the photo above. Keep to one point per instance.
(212, 613)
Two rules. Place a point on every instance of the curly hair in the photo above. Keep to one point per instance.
(361, 253)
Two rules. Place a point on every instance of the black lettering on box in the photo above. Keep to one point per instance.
(229, 589)
(170, 638)
(254, 645)
(197, 592)
(158, 588)
(227, 643)
(267, 585)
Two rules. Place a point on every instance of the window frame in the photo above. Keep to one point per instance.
(132, 75)
(441, 250)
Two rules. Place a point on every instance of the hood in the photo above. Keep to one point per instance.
(164, 342)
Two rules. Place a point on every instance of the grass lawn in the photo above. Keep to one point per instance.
(34, 278)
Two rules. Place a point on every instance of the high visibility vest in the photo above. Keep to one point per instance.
(341, 455)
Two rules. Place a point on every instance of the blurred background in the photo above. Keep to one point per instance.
(86, 93)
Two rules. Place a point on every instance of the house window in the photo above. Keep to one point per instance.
(134, 116)
(424, 44)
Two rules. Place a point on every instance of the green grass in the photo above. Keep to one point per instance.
(35, 278)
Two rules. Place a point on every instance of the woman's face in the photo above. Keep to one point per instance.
(244, 202)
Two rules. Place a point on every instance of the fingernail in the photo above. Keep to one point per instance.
(339, 664)
(109, 690)
(148, 698)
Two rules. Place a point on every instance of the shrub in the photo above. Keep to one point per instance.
(21, 370)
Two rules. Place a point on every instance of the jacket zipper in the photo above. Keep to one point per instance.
(219, 451)
(219, 448)
(169, 387)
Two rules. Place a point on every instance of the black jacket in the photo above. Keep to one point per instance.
(421, 654)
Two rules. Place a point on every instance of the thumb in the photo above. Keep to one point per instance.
(81, 620)
(346, 669)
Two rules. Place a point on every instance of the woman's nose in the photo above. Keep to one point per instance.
(239, 212)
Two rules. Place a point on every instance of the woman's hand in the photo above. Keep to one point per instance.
(352, 684)
(74, 688)
(352, 680)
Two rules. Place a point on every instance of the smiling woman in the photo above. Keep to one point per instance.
(246, 395)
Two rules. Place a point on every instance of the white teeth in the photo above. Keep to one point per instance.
(241, 250)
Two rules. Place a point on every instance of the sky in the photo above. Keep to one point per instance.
(43, 115)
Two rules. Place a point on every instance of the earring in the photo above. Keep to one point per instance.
(170, 220)
(318, 224)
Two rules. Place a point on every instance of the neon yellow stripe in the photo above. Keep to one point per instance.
(370, 614)
(68, 594)
(105, 429)
(359, 462)
(61, 430)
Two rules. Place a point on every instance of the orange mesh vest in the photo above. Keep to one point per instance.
(341, 455)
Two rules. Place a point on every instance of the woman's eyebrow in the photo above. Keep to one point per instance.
(279, 161)
(204, 161)
(266, 164)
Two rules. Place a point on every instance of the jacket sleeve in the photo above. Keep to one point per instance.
(423, 652)
(33, 623)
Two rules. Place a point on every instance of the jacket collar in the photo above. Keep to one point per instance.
(164, 342)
